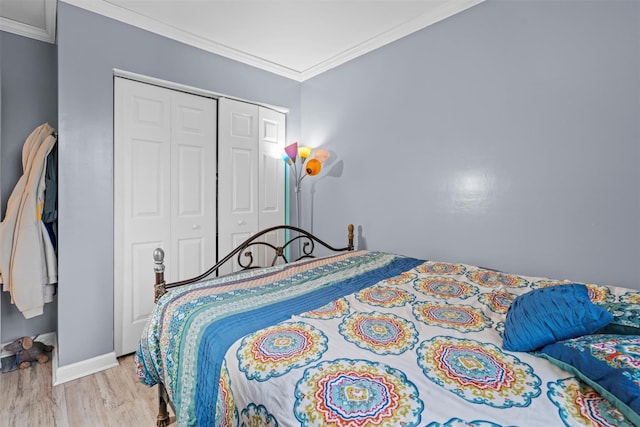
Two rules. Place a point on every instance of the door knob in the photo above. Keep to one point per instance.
(195, 227)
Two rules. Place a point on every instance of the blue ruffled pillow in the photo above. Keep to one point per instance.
(608, 363)
(546, 315)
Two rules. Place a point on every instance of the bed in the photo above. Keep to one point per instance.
(365, 338)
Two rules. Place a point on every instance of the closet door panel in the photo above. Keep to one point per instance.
(271, 197)
(270, 180)
(237, 174)
(271, 168)
(191, 262)
(193, 170)
(147, 192)
(243, 192)
(164, 188)
(141, 305)
(142, 153)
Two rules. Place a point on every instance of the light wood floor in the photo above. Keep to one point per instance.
(113, 397)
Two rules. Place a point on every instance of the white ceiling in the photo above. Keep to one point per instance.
(297, 39)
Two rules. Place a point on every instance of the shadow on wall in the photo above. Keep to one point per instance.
(362, 242)
(334, 170)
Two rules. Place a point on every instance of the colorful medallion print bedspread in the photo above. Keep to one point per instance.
(360, 339)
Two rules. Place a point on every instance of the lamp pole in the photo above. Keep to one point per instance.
(311, 168)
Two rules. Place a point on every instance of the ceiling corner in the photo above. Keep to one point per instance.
(37, 22)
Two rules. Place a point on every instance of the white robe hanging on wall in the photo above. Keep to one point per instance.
(28, 263)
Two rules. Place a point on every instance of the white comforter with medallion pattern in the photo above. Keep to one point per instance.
(422, 347)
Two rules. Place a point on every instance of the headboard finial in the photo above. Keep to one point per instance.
(158, 258)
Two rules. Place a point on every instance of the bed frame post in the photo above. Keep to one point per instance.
(162, 419)
(350, 228)
(158, 259)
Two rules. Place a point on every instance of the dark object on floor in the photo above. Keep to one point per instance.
(9, 364)
(26, 351)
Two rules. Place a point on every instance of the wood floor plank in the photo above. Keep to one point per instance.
(12, 395)
(39, 398)
(107, 398)
(59, 403)
(81, 408)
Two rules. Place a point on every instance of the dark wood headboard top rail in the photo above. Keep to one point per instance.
(307, 239)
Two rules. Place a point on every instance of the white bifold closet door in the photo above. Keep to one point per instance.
(251, 184)
(164, 195)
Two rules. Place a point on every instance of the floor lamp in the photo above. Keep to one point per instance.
(307, 165)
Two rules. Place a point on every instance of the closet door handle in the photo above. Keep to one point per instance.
(241, 222)
(195, 227)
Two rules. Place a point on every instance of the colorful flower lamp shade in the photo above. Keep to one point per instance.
(313, 166)
(307, 166)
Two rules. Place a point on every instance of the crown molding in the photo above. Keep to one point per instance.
(118, 13)
(446, 10)
(46, 34)
(110, 10)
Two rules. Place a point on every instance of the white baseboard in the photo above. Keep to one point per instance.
(63, 374)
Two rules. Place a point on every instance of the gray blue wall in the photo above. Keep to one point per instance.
(506, 136)
(89, 47)
(29, 98)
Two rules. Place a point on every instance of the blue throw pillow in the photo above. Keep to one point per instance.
(546, 315)
(608, 363)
